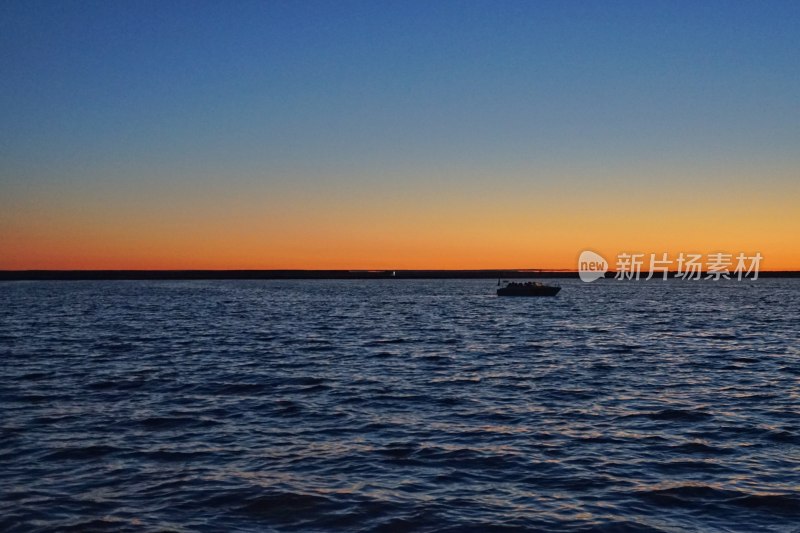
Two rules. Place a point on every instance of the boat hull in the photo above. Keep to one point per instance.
(528, 291)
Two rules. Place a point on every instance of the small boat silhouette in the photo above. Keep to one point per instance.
(529, 288)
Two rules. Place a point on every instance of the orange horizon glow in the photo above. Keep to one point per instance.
(434, 228)
(455, 221)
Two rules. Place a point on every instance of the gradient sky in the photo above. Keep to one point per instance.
(396, 134)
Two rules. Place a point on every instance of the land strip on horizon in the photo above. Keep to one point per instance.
(75, 275)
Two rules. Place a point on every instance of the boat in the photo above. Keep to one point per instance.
(528, 288)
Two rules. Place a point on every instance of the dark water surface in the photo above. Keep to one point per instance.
(399, 405)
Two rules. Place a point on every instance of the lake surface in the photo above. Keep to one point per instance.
(399, 405)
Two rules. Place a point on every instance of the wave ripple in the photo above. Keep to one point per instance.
(399, 405)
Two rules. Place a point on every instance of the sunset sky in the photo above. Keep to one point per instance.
(396, 134)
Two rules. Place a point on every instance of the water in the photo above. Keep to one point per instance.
(397, 405)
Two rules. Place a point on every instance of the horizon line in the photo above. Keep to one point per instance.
(349, 270)
(289, 274)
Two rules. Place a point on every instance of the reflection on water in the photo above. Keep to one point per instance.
(396, 404)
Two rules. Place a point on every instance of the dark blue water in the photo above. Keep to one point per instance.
(398, 405)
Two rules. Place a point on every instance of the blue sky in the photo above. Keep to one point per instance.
(364, 94)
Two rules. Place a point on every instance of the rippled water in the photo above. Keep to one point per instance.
(394, 405)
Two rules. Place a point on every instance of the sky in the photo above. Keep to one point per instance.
(396, 134)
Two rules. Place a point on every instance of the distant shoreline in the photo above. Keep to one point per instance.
(77, 275)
